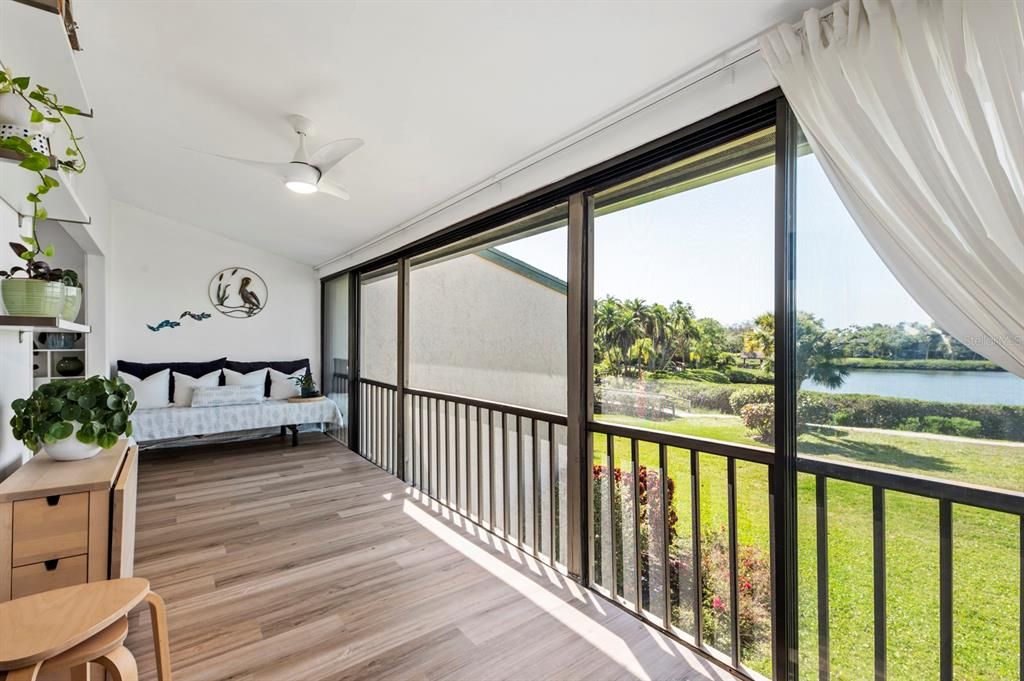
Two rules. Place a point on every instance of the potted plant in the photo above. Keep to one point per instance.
(73, 290)
(74, 420)
(306, 385)
(34, 288)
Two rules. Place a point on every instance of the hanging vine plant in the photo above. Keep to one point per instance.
(43, 106)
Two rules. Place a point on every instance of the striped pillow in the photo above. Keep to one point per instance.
(223, 395)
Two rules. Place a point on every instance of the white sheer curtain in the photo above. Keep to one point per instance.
(915, 110)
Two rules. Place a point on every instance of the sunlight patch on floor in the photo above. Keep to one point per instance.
(586, 627)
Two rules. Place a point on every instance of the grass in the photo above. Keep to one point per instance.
(986, 546)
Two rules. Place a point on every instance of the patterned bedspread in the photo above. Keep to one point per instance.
(157, 424)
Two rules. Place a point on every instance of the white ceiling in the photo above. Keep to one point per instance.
(444, 93)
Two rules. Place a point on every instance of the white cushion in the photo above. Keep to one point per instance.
(185, 384)
(151, 392)
(258, 377)
(282, 386)
(223, 395)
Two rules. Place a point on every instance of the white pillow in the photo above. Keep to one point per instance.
(223, 395)
(151, 392)
(282, 386)
(258, 377)
(185, 384)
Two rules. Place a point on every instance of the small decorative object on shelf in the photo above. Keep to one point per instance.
(70, 366)
(59, 341)
(238, 292)
(40, 291)
(74, 420)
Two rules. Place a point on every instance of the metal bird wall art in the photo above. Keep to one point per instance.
(238, 292)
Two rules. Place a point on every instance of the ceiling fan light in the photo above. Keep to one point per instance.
(300, 187)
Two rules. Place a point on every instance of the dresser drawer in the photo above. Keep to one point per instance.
(48, 528)
(53, 574)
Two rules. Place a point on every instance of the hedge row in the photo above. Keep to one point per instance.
(998, 422)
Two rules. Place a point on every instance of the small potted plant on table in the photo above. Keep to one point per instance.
(74, 420)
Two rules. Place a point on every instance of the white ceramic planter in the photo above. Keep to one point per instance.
(70, 449)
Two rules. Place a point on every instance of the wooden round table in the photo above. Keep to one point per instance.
(70, 627)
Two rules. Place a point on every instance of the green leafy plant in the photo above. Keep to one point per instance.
(44, 106)
(101, 407)
(305, 383)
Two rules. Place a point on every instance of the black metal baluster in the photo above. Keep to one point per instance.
(634, 446)
(878, 513)
(520, 485)
(491, 487)
(552, 491)
(432, 447)
(504, 475)
(821, 528)
(447, 457)
(666, 513)
(946, 590)
(535, 476)
(734, 579)
(458, 460)
(698, 609)
(613, 569)
(479, 466)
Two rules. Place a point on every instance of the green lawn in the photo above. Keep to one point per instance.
(986, 546)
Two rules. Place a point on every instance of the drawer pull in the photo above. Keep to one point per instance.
(53, 500)
(51, 565)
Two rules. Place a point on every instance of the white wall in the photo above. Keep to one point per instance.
(659, 113)
(481, 330)
(15, 358)
(160, 268)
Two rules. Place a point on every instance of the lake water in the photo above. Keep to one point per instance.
(972, 387)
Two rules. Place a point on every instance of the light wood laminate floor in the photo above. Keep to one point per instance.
(310, 563)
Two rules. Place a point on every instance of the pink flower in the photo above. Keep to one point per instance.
(717, 604)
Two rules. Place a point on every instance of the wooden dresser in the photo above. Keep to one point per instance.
(68, 522)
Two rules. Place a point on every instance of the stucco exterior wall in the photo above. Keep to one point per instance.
(479, 329)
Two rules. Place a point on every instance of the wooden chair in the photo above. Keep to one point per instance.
(69, 628)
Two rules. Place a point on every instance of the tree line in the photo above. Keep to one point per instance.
(633, 337)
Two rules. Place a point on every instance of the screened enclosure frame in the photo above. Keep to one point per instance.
(769, 110)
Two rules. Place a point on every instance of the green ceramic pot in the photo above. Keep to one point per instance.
(32, 297)
(72, 303)
(70, 366)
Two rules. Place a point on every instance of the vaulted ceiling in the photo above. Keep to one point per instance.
(445, 94)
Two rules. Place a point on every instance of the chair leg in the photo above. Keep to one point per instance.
(25, 673)
(81, 673)
(161, 646)
(120, 664)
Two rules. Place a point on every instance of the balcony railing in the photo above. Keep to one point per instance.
(504, 467)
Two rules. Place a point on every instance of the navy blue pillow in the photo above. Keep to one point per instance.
(143, 370)
(289, 366)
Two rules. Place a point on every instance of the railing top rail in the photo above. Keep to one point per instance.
(540, 415)
(731, 449)
(958, 492)
(379, 384)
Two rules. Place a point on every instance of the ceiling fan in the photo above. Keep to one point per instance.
(304, 174)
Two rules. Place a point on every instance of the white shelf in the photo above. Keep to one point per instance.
(12, 323)
(34, 42)
(61, 203)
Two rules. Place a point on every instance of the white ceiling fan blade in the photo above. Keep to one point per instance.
(328, 187)
(278, 169)
(330, 154)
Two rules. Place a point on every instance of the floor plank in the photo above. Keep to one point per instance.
(312, 564)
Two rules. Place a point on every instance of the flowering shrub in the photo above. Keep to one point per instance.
(760, 419)
(753, 587)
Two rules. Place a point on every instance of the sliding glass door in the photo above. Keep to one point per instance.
(336, 380)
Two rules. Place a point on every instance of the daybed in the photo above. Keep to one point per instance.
(196, 399)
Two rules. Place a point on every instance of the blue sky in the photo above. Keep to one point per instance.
(713, 247)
